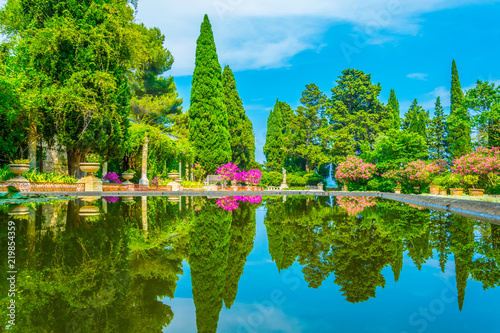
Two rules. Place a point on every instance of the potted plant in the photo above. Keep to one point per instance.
(19, 167)
(434, 186)
(453, 182)
(128, 175)
(397, 189)
(91, 164)
(472, 181)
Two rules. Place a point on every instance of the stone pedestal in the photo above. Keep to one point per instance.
(91, 183)
(175, 186)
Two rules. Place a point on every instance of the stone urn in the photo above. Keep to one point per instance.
(456, 191)
(443, 191)
(476, 192)
(434, 189)
(127, 176)
(19, 169)
(92, 183)
(397, 190)
(175, 177)
(19, 210)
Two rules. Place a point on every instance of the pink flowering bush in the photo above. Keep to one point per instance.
(355, 205)
(483, 163)
(253, 176)
(417, 175)
(112, 177)
(228, 171)
(354, 170)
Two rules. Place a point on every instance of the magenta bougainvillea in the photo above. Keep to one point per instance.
(112, 177)
(353, 170)
(111, 199)
(228, 171)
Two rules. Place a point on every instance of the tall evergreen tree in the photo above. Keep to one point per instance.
(208, 122)
(274, 148)
(438, 133)
(355, 114)
(240, 127)
(393, 104)
(307, 124)
(459, 135)
(416, 120)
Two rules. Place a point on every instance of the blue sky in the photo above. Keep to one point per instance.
(275, 47)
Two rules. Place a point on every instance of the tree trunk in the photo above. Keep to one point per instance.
(307, 164)
(75, 157)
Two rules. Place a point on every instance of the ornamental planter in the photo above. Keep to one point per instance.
(443, 191)
(476, 192)
(127, 176)
(92, 183)
(456, 191)
(90, 168)
(173, 175)
(19, 169)
(434, 189)
(89, 211)
(397, 191)
(19, 210)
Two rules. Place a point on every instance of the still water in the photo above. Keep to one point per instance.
(271, 264)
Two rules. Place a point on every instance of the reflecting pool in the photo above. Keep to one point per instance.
(246, 264)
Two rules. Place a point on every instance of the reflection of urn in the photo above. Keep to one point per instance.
(19, 210)
(174, 199)
(19, 169)
(89, 209)
(127, 176)
(127, 199)
(90, 181)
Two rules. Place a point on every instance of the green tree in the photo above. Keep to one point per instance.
(393, 104)
(416, 120)
(355, 115)
(459, 127)
(240, 127)
(12, 127)
(78, 57)
(438, 133)
(274, 148)
(208, 122)
(484, 100)
(307, 124)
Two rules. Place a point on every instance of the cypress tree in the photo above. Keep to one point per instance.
(240, 127)
(274, 148)
(208, 123)
(437, 133)
(459, 141)
(393, 104)
(416, 120)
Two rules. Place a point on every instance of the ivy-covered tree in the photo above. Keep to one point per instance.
(274, 148)
(208, 122)
(80, 56)
(484, 101)
(355, 115)
(438, 133)
(308, 126)
(459, 127)
(393, 104)
(240, 127)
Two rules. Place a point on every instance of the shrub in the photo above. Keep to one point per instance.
(271, 178)
(228, 171)
(43, 177)
(112, 177)
(483, 163)
(354, 170)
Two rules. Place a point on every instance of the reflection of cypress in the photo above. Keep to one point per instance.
(462, 245)
(418, 248)
(441, 242)
(240, 246)
(208, 247)
(397, 259)
(275, 230)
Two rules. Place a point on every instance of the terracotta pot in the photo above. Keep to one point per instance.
(90, 168)
(476, 192)
(443, 191)
(456, 191)
(397, 190)
(434, 189)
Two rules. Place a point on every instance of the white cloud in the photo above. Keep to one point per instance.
(252, 34)
(417, 76)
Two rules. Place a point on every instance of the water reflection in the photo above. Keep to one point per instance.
(114, 271)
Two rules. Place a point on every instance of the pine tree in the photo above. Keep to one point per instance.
(208, 123)
(438, 133)
(416, 120)
(307, 124)
(393, 104)
(459, 135)
(240, 127)
(274, 148)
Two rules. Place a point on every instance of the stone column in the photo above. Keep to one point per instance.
(104, 168)
(144, 177)
(32, 140)
(192, 172)
(180, 169)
